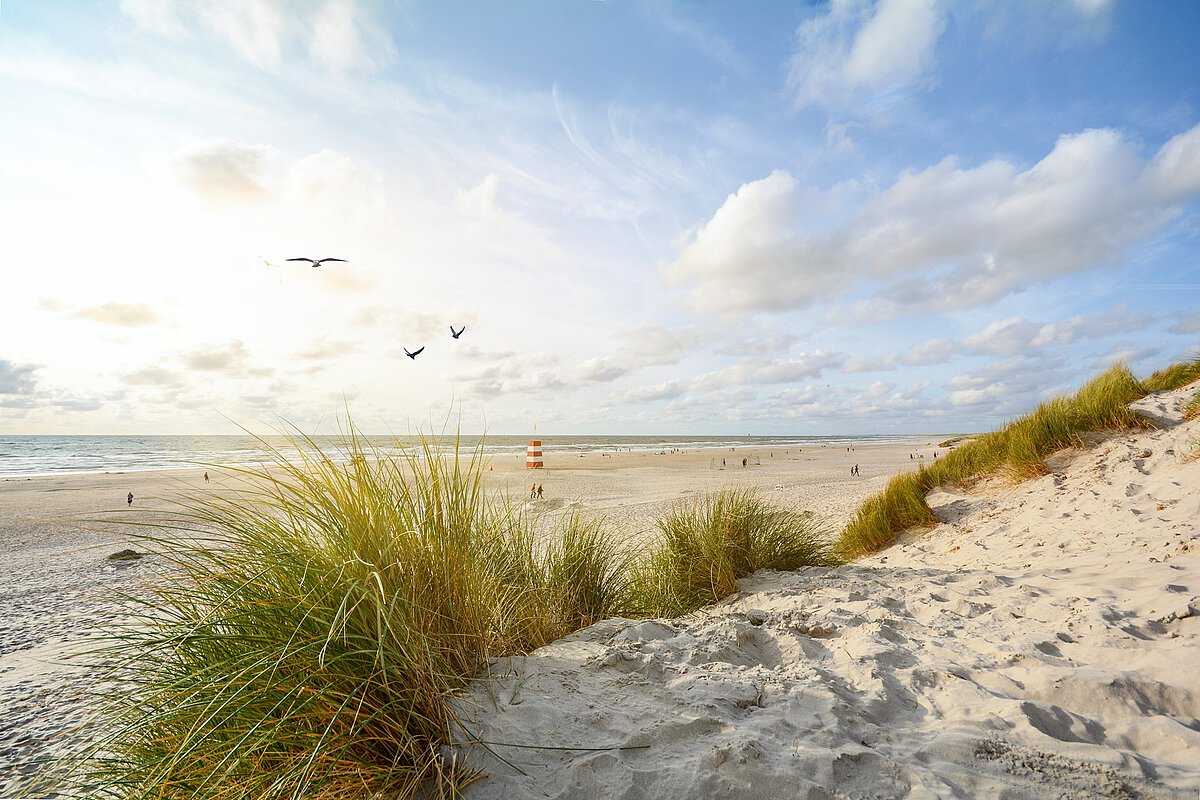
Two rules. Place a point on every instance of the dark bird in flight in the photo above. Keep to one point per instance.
(458, 333)
(318, 262)
(413, 356)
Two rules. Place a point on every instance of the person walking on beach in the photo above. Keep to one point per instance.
(539, 492)
(532, 491)
(130, 498)
(744, 462)
(206, 477)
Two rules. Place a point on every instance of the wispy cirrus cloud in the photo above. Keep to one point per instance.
(336, 34)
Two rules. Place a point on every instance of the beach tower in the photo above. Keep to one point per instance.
(533, 455)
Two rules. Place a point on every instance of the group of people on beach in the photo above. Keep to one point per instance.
(535, 491)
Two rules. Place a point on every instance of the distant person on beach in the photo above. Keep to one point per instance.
(744, 462)
(539, 492)
(130, 498)
(206, 477)
(532, 491)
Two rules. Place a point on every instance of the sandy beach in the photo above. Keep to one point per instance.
(57, 586)
(1040, 643)
(1036, 644)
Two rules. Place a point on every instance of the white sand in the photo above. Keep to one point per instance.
(56, 586)
(1040, 643)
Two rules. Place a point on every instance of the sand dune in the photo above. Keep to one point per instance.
(1040, 642)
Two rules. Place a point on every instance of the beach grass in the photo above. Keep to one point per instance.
(324, 610)
(1016, 451)
(1191, 409)
(319, 622)
(709, 544)
(1174, 376)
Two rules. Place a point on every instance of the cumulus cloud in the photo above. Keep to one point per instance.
(231, 357)
(480, 200)
(1007, 338)
(153, 376)
(942, 238)
(1188, 323)
(334, 181)
(737, 259)
(223, 170)
(859, 47)
(16, 384)
(325, 349)
(666, 390)
(640, 346)
(802, 366)
(121, 315)
(515, 376)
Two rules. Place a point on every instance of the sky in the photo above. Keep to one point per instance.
(653, 217)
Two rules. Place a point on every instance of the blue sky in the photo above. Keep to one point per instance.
(653, 217)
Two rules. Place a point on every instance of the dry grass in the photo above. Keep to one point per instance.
(708, 545)
(1017, 451)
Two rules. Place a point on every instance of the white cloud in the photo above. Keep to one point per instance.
(343, 37)
(153, 376)
(255, 29)
(16, 384)
(156, 16)
(803, 366)
(231, 357)
(120, 315)
(860, 47)
(666, 390)
(336, 34)
(737, 259)
(640, 346)
(480, 200)
(942, 238)
(1093, 8)
(221, 171)
(931, 351)
(326, 349)
(1188, 323)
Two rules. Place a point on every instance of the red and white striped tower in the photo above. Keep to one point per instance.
(533, 455)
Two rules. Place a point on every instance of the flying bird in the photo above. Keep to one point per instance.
(318, 262)
(413, 356)
(458, 333)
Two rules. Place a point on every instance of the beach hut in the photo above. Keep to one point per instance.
(533, 455)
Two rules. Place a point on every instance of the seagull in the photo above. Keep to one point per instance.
(413, 356)
(317, 262)
(459, 333)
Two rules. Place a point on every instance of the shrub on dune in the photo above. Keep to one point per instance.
(319, 622)
(1174, 376)
(587, 575)
(708, 545)
(1018, 451)
(881, 518)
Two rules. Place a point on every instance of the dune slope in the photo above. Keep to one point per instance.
(1041, 642)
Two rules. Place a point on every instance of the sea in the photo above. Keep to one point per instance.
(29, 456)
